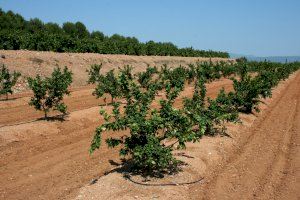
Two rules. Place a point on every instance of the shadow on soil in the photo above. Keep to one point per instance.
(128, 171)
(56, 118)
(59, 118)
(10, 99)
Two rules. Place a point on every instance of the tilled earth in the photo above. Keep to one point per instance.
(49, 159)
(266, 163)
(259, 161)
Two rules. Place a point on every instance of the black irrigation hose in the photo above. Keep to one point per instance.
(127, 177)
(163, 184)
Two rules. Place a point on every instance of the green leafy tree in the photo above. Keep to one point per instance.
(176, 77)
(97, 35)
(7, 81)
(74, 37)
(149, 129)
(69, 28)
(94, 74)
(35, 25)
(53, 28)
(246, 91)
(227, 69)
(110, 85)
(105, 84)
(220, 111)
(209, 115)
(81, 30)
(49, 92)
(145, 78)
(249, 90)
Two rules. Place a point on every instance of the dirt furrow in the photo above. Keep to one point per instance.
(263, 162)
(49, 160)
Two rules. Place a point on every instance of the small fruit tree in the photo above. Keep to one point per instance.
(155, 132)
(145, 78)
(49, 92)
(106, 84)
(249, 90)
(7, 81)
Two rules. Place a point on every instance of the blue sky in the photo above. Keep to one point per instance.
(252, 27)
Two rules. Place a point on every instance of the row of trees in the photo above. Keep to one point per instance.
(48, 92)
(17, 33)
(154, 131)
(156, 126)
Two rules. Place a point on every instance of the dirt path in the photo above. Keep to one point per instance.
(78, 100)
(49, 160)
(267, 162)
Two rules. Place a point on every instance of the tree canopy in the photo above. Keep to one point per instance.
(17, 33)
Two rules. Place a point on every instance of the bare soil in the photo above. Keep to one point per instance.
(49, 159)
(266, 161)
(30, 63)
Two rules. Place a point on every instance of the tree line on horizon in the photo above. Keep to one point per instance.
(17, 33)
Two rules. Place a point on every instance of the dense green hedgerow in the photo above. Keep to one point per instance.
(18, 33)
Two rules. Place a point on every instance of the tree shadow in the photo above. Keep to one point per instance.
(183, 154)
(128, 171)
(59, 118)
(114, 163)
(10, 99)
(218, 130)
(111, 103)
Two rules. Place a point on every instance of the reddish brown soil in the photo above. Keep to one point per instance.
(260, 161)
(266, 163)
(30, 63)
(49, 159)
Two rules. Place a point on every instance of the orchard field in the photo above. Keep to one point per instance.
(258, 154)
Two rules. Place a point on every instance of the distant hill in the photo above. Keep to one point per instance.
(281, 59)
